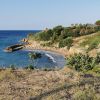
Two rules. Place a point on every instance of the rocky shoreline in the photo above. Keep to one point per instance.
(75, 48)
(35, 45)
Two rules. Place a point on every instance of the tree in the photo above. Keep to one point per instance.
(45, 35)
(97, 22)
(58, 30)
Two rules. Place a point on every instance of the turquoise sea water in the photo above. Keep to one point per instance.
(20, 58)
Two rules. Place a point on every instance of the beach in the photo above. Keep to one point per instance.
(35, 45)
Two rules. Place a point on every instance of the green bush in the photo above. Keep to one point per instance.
(12, 67)
(44, 35)
(58, 30)
(82, 62)
(34, 56)
(66, 42)
(97, 58)
(30, 67)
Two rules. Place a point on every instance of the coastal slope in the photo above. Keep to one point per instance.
(65, 84)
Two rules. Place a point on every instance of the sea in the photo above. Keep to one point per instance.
(20, 58)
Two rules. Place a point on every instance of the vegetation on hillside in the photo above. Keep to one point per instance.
(64, 35)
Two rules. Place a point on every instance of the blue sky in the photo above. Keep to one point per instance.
(39, 14)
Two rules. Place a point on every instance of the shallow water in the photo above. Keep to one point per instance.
(20, 58)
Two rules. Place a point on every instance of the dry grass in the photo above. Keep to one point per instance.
(19, 84)
(23, 84)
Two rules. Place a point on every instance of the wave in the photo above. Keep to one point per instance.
(50, 57)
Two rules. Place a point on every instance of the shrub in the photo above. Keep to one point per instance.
(82, 62)
(58, 30)
(34, 57)
(98, 58)
(12, 67)
(30, 67)
(66, 42)
(44, 35)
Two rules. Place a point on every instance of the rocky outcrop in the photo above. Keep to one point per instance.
(14, 48)
(24, 40)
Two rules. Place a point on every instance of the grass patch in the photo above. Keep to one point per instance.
(92, 41)
(88, 94)
(7, 74)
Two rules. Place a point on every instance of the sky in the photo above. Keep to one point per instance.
(41, 14)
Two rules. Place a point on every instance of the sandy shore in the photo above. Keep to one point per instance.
(34, 45)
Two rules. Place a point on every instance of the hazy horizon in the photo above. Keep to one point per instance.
(38, 15)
